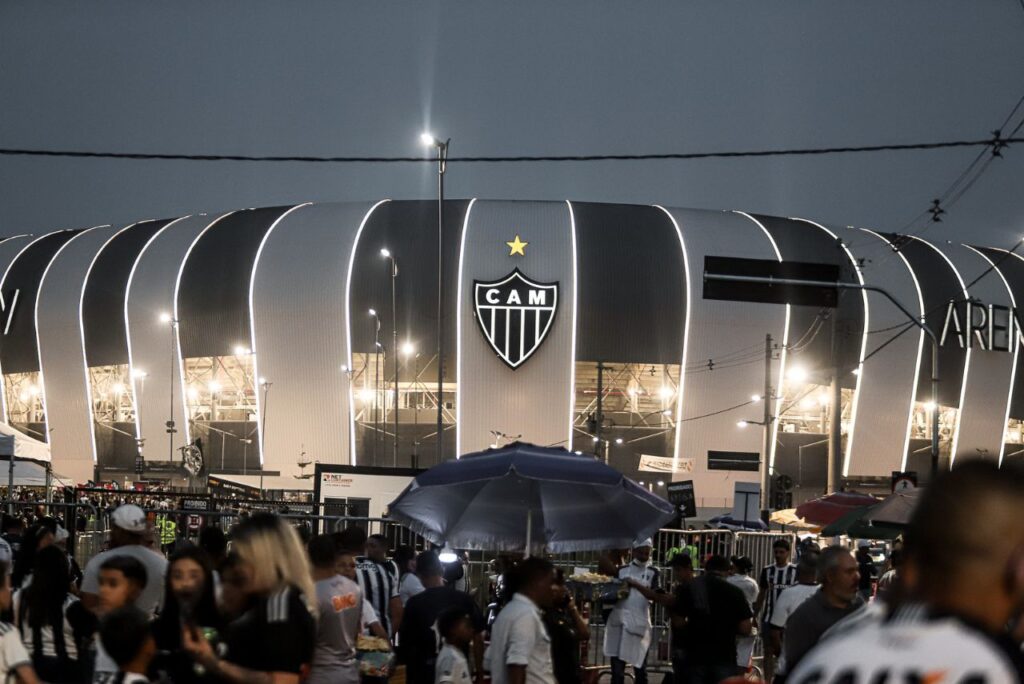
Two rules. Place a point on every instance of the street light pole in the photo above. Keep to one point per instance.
(442, 156)
(376, 381)
(263, 433)
(394, 345)
(171, 322)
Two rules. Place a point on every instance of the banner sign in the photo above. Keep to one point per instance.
(664, 464)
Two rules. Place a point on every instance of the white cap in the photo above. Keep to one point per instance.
(640, 543)
(60, 535)
(6, 555)
(129, 518)
(863, 543)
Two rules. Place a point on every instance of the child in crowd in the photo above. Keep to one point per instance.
(125, 636)
(121, 581)
(14, 658)
(456, 628)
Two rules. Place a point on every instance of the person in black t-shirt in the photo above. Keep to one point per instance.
(418, 640)
(567, 629)
(274, 639)
(716, 613)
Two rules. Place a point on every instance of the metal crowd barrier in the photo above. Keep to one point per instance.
(758, 547)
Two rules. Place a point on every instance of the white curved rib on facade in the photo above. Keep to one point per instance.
(151, 293)
(299, 332)
(353, 455)
(717, 328)
(899, 321)
(458, 331)
(261, 391)
(782, 353)
(863, 346)
(982, 424)
(10, 250)
(677, 446)
(954, 445)
(64, 374)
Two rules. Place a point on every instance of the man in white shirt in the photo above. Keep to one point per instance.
(520, 651)
(789, 600)
(128, 532)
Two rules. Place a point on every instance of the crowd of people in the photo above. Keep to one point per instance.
(268, 602)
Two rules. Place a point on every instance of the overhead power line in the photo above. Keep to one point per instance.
(806, 151)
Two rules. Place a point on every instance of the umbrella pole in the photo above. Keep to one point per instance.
(529, 529)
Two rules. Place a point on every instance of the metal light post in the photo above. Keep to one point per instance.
(376, 380)
(172, 322)
(265, 384)
(394, 343)
(442, 156)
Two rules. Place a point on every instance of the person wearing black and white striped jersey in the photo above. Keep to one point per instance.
(774, 578)
(379, 580)
(955, 610)
(15, 663)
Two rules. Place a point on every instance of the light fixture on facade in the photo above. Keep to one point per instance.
(755, 398)
(385, 252)
(929, 406)
(596, 440)
(214, 386)
(408, 349)
(856, 371)
(242, 350)
(139, 373)
(742, 423)
(665, 392)
(661, 483)
(618, 440)
(165, 317)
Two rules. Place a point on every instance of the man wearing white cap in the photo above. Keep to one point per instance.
(128, 532)
(628, 633)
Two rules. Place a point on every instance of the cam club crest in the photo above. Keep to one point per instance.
(515, 314)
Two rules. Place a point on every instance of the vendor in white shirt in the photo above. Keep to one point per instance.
(628, 632)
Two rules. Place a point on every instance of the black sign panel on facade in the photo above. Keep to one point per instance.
(767, 293)
(734, 460)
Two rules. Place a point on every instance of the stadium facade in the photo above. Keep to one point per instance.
(251, 331)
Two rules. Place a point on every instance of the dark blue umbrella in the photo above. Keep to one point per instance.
(525, 495)
(727, 522)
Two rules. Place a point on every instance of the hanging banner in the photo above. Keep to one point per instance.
(663, 464)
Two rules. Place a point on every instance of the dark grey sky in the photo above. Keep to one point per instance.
(566, 77)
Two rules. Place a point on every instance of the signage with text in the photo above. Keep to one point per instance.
(988, 327)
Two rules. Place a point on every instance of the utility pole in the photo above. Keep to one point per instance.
(599, 415)
(766, 400)
(835, 430)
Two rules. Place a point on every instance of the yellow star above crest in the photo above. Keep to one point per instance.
(517, 246)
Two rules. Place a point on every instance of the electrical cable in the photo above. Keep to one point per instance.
(806, 151)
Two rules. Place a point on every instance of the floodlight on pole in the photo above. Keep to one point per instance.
(429, 140)
(385, 252)
(165, 317)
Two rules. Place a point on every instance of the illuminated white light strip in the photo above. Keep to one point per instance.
(458, 334)
(686, 340)
(1016, 347)
(575, 301)
(252, 327)
(3, 281)
(348, 330)
(863, 349)
(136, 396)
(967, 358)
(85, 356)
(920, 347)
(782, 354)
(39, 354)
(176, 328)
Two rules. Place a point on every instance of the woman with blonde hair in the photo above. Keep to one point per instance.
(272, 642)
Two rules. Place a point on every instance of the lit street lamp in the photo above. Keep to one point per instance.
(442, 155)
(171, 322)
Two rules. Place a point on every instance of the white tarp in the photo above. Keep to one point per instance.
(29, 474)
(21, 445)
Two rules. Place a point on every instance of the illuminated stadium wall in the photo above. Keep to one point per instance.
(251, 331)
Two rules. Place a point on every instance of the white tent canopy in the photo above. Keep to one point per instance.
(19, 445)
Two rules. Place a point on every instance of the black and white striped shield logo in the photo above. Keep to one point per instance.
(515, 315)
